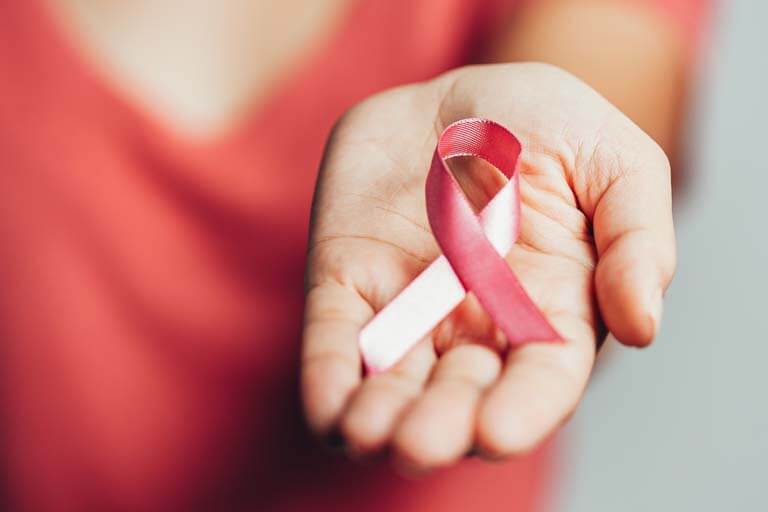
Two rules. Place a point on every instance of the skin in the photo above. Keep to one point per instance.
(596, 248)
(198, 67)
(634, 56)
(596, 245)
(154, 51)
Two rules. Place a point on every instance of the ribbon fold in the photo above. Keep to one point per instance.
(473, 249)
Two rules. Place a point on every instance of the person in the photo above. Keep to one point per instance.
(158, 165)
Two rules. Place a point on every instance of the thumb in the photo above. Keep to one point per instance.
(629, 184)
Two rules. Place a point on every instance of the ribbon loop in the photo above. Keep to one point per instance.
(473, 253)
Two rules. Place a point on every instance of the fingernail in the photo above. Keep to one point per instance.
(656, 309)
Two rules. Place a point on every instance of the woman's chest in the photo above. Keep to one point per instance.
(196, 67)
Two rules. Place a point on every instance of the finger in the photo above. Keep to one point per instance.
(331, 366)
(439, 428)
(369, 421)
(634, 235)
(539, 388)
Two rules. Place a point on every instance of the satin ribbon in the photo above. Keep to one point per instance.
(473, 249)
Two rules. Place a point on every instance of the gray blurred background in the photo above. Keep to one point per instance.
(683, 426)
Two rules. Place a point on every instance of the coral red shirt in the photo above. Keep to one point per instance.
(151, 288)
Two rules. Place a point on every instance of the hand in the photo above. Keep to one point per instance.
(596, 248)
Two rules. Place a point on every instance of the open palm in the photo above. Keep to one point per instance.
(596, 247)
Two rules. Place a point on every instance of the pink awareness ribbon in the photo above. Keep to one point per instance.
(473, 249)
